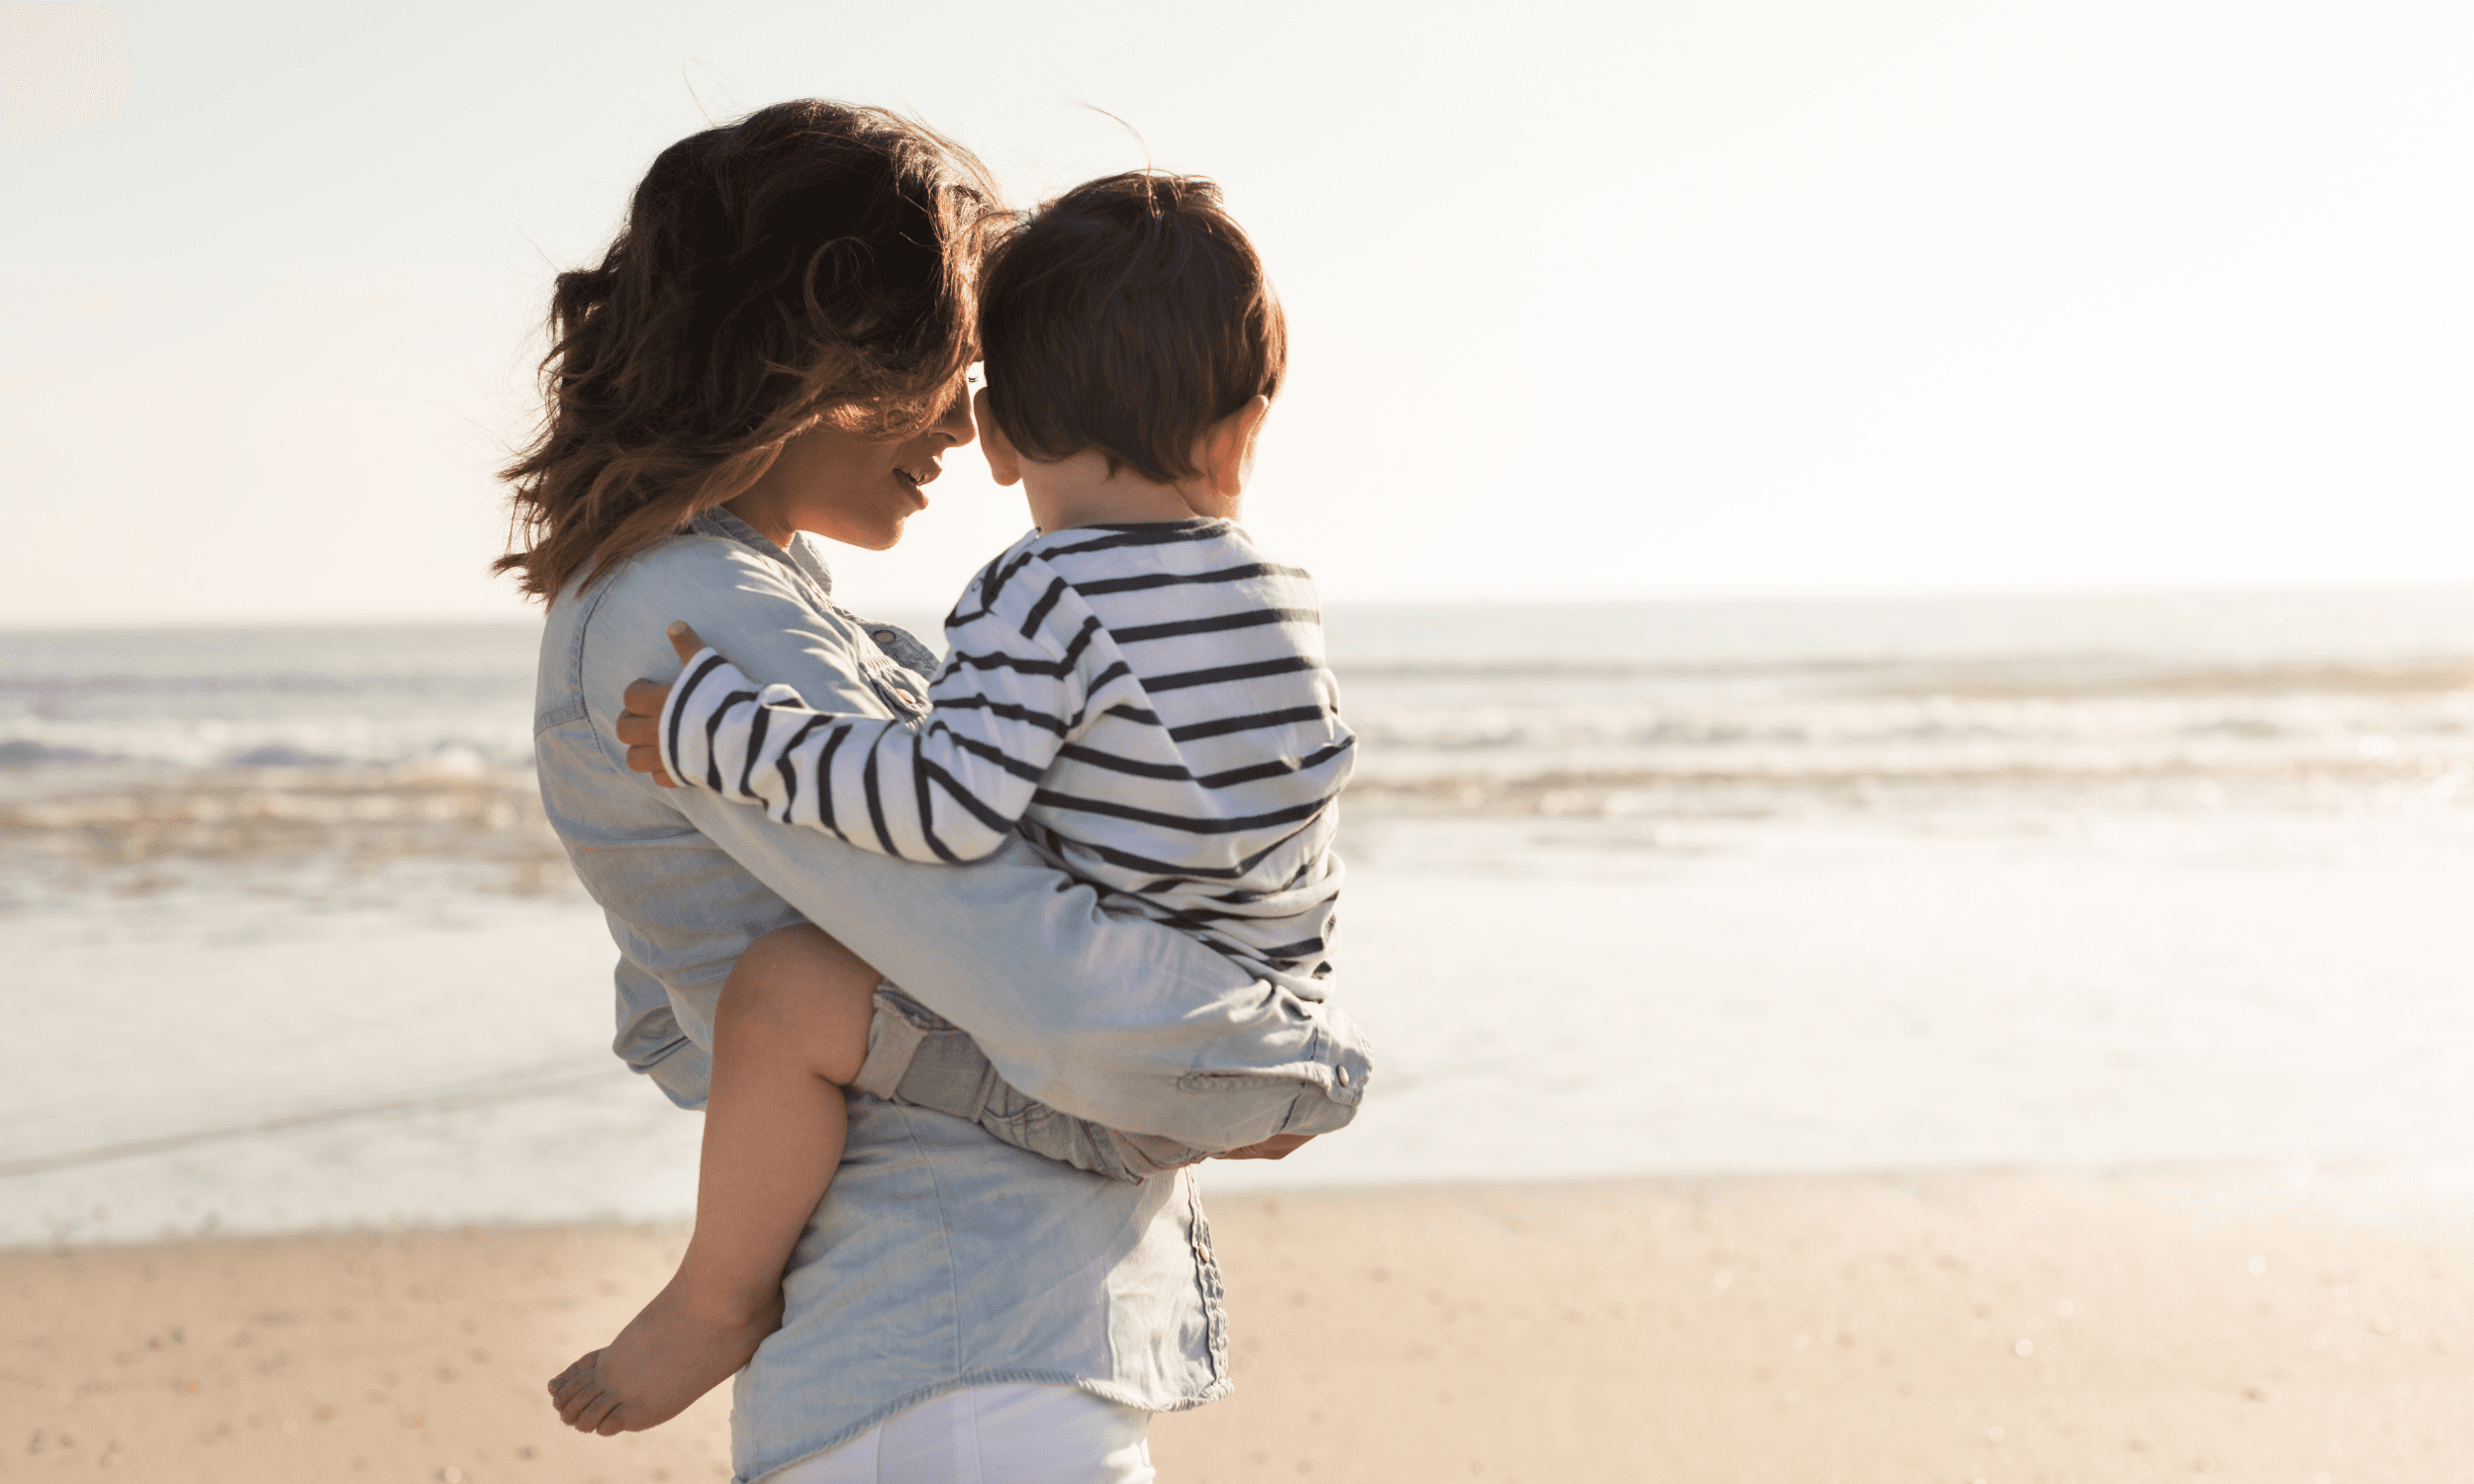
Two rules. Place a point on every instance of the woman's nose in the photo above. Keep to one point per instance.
(955, 422)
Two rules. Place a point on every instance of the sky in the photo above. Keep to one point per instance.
(1586, 301)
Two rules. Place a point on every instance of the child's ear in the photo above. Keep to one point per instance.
(1228, 449)
(1005, 465)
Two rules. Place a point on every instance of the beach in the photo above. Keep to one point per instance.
(1956, 1327)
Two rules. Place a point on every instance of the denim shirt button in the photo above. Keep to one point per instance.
(1344, 1076)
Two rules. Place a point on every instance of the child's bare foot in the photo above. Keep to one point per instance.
(667, 1357)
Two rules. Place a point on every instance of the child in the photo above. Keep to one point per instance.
(1134, 687)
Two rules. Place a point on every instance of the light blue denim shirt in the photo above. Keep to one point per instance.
(942, 1258)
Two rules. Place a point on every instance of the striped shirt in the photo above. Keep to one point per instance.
(1148, 704)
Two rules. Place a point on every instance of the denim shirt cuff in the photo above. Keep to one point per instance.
(1342, 1064)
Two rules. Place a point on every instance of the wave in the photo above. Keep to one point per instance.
(2414, 786)
(2087, 675)
(132, 830)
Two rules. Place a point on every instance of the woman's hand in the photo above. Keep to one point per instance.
(639, 720)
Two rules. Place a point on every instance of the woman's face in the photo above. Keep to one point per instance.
(849, 490)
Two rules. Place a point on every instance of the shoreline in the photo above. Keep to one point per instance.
(1989, 1325)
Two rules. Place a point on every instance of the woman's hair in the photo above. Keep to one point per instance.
(1129, 316)
(813, 262)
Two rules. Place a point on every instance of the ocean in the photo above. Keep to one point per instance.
(1672, 888)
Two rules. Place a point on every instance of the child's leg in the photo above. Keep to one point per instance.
(790, 1029)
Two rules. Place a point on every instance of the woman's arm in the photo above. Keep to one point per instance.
(1118, 1020)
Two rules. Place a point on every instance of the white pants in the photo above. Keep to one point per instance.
(993, 1435)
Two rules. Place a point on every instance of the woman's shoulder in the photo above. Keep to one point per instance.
(695, 556)
(684, 575)
(771, 619)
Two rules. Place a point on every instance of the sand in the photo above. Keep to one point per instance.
(1994, 1327)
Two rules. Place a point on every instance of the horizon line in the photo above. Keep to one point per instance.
(2195, 588)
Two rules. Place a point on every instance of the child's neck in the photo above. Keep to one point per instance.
(1079, 491)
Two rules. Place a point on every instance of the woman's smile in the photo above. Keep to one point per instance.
(849, 489)
(917, 475)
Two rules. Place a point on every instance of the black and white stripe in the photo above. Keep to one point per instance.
(1148, 703)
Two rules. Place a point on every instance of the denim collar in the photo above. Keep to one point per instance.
(898, 645)
(802, 553)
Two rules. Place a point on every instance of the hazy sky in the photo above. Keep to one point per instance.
(1586, 301)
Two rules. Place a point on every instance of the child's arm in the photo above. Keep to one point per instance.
(1021, 681)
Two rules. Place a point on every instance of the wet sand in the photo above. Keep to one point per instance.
(1995, 1327)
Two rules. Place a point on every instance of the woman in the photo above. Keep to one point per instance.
(775, 349)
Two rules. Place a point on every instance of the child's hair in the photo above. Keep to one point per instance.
(813, 262)
(1128, 315)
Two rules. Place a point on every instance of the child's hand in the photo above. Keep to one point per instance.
(639, 721)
